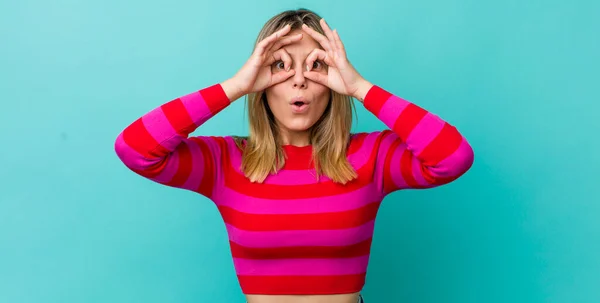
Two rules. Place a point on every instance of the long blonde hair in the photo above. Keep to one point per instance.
(329, 136)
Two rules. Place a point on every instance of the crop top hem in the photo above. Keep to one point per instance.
(302, 285)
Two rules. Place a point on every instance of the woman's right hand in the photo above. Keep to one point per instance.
(256, 74)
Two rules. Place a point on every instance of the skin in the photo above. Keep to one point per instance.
(267, 69)
(294, 127)
(278, 67)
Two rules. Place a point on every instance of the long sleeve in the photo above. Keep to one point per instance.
(420, 150)
(156, 145)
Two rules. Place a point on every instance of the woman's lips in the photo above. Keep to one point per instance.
(299, 104)
(300, 108)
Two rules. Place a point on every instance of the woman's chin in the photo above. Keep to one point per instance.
(298, 127)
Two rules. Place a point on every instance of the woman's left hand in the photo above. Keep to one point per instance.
(341, 76)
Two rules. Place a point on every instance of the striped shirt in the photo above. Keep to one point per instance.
(293, 234)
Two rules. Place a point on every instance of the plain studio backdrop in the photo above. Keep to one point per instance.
(518, 78)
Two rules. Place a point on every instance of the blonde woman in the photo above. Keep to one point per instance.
(299, 195)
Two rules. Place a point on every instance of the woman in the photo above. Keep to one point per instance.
(300, 194)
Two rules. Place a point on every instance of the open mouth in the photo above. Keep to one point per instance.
(299, 106)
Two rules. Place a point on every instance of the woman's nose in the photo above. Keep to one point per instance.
(298, 77)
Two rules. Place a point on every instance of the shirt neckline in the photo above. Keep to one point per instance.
(293, 149)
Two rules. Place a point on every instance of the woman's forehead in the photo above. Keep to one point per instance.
(303, 47)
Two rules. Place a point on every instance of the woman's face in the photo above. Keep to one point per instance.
(289, 117)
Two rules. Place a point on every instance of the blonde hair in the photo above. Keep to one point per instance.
(329, 136)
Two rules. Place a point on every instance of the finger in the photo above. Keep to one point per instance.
(285, 40)
(338, 41)
(317, 36)
(327, 30)
(282, 55)
(316, 77)
(265, 44)
(318, 54)
(282, 76)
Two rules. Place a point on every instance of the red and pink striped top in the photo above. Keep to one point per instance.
(292, 234)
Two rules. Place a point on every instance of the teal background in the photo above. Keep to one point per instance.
(518, 79)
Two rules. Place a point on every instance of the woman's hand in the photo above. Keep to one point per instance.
(256, 73)
(341, 75)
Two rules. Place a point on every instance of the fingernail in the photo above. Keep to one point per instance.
(307, 68)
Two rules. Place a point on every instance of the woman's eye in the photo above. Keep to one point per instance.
(280, 65)
(318, 64)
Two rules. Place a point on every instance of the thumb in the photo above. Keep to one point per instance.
(282, 76)
(317, 77)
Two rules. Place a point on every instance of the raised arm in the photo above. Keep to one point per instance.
(420, 150)
(156, 145)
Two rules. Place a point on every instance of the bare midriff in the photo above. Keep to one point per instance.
(337, 298)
